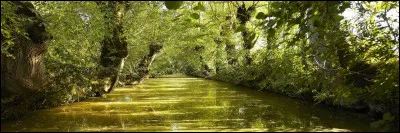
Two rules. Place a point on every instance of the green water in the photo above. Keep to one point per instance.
(189, 104)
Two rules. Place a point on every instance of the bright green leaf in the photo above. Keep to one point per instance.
(195, 16)
(316, 12)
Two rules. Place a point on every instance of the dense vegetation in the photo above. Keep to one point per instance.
(55, 53)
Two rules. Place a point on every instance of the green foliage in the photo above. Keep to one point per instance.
(383, 124)
(261, 15)
(195, 16)
(308, 55)
(199, 7)
(173, 5)
(11, 27)
(240, 28)
(301, 49)
(74, 53)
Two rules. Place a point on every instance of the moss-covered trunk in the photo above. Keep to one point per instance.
(243, 15)
(144, 65)
(24, 73)
(26, 70)
(205, 69)
(114, 45)
(226, 35)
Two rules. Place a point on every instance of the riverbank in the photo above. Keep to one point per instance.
(384, 116)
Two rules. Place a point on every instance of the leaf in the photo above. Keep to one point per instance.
(263, 23)
(315, 21)
(338, 17)
(173, 5)
(175, 19)
(240, 28)
(271, 32)
(271, 23)
(195, 16)
(279, 23)
(6, 33)
(252, 36)
(261, 15)
(316, 12)
(178, 15)
(196, 8)
(255, 41)
(276, 4)
(188, 20)
(200, 7)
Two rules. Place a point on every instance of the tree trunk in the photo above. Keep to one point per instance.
(114, 45)
(144, 66)
(243, 15)
(226, 34)
(303, 55)
(205, 72)
(315, 45)
(114, 80)
(230, 49)
(26, 72)
(218, 63)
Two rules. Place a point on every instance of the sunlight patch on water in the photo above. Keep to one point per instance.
(188, 104)
(157, 89)
(156, 113)
(134, 103)
(119, 113)
(214, 107)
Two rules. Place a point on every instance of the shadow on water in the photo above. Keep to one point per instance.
(189, 104)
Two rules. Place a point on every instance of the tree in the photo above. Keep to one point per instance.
(24, 70)
(114, 46)
(243, 15)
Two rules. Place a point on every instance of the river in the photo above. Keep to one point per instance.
(190, 104)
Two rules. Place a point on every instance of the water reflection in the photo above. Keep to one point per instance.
(189, 104)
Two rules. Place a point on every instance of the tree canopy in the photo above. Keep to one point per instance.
(309, 50)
